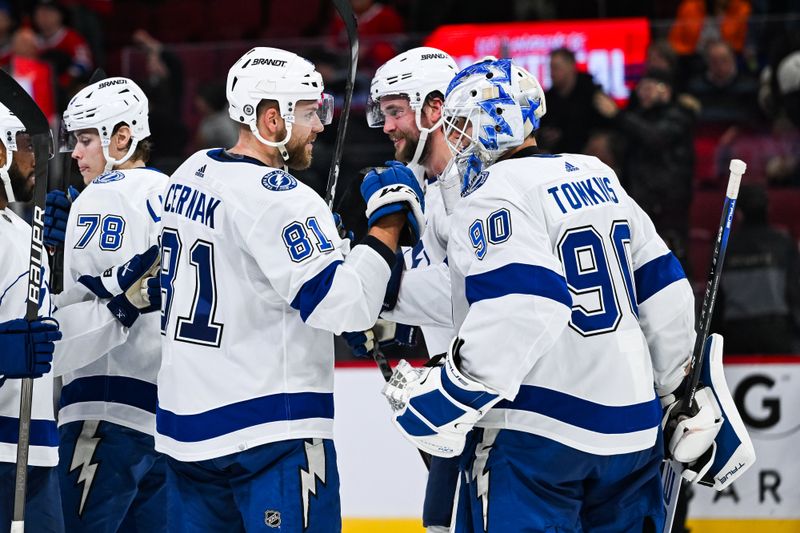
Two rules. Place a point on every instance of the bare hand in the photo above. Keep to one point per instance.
(605, 105)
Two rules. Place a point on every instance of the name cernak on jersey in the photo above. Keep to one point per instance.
(589, 192)
(188, 202)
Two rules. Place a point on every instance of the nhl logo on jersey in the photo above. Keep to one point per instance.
(272, 518)
(278, 180)
(108, 177)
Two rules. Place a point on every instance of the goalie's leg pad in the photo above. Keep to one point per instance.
(732, 451)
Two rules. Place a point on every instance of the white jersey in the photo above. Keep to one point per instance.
(569, 303)
(424, 297)
(15, 235)
(255, 284)
(114, 218)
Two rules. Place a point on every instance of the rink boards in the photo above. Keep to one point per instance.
(383, 478)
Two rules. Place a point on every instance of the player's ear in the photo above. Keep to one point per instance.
(271, 120)
(432, 110)
(123, 137)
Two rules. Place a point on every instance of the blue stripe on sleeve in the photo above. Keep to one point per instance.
(43, 432)
(473, 399)
(314, 290)
(241, 415)
(655, 275)
(607, 419)
(113, 389)
(518, 278)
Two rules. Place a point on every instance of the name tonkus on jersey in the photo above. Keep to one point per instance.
(193, 204)
(583, 193)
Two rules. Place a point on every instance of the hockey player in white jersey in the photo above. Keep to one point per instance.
(111, 476)
(573, 317)
(255, 282)
(406, 100)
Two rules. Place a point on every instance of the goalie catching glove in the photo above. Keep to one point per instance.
(713, 444)
(437, 405)
(133, 287)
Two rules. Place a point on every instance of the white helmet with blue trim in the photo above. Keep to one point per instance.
(10, 125)
(490, 107)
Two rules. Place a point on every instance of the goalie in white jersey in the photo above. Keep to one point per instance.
(571, 314)
(255, 282)
(111, 476)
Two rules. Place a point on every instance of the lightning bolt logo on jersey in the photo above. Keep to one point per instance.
(82, 458)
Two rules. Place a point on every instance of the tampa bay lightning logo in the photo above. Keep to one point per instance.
(108, 177)
(475, 183)
(278, 180)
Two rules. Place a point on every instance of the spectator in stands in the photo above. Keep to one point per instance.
(728, 96)
(6, 31)
(216, 129)
(759, 303)
(375, 20)
(571, 116)
(660, 156)
(700, 21)
(64, 48)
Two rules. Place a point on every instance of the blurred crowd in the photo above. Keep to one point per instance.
(721, 81)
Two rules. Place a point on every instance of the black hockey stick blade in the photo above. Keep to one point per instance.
(25, 108)
(346, 12)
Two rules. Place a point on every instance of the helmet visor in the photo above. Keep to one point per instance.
(393, 105)
(308, 112)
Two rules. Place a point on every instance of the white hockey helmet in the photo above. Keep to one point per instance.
(414, 74)
(273, 74)
(10, 125)
(103, 105)
(490, 108)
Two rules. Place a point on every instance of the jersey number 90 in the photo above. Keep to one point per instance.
(587, 267)
(198, 326)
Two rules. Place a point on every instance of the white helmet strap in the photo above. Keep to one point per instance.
(111, 162)
(423, 133)
(280, 145)
(5, 177)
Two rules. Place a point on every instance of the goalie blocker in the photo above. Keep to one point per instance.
(713, 445)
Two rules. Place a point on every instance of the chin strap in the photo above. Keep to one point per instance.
(6, 178)
(111, 162)
(280, 145)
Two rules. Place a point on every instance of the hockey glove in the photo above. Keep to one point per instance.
(385, 332)
(344, 233)
(56, 213)
(395, 189)
(436, 406)
(26, 348)
(132, 287)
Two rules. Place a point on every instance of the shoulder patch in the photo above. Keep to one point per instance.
(108, 177)
(278, 180)
(475, 183)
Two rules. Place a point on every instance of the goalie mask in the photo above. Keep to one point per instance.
(490, 107)
(101, 106)
(10, 126)
(415, 75)
(273, 74)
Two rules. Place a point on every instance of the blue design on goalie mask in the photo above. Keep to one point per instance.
(499, 71)
(529, 114)
(492, 109)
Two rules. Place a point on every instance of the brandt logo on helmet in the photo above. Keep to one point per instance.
(248, 109)
(433, 56)
(278, 180)
(268, 62)
(112, 82)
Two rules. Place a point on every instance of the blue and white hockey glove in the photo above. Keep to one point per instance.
(436, 406)
(130, 286)
(386, 333)
(713, 444)
(26, 348)
(395, 189)
(56, 213)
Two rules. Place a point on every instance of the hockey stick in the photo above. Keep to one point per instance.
(686, 407)
(57, 265)
(350, 23)
(21, 104)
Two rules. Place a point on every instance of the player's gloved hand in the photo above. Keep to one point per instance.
(395, 189)
(26, 348)
(129, 286)
(436, 406)
(344, 233)
(56, 213)
(384, 332)
(689, 439)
